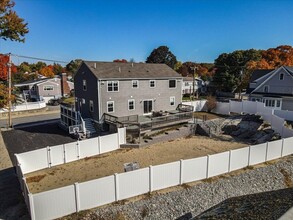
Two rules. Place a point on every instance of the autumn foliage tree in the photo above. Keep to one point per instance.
(120, 61)
(4, 59)
(47, 71)
(202, 70)
(273, 58)
(12, 27)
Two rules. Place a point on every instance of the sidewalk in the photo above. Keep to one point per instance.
(5, 161)
(44, 111)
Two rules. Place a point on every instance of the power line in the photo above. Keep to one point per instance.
(37, 58)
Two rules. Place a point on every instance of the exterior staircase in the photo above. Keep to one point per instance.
(89, 127)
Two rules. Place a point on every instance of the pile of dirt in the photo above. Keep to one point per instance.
(250, 129)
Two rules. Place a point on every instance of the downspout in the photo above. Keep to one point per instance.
(99, 99)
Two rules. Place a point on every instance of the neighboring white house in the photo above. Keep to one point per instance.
(187, 85)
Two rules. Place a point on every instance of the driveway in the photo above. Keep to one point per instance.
(30, 138)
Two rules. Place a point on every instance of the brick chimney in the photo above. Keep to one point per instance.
(65, 90)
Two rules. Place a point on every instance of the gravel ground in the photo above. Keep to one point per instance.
(190, 200)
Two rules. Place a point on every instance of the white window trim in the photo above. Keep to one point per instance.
(281, 74)
(108, 82)
(175, 84)
(271, 100)
(137, 84)
(49, 89)
(172, 97)
(91, 103)
(154, 83)
(131, 100)
(84, 85)
(108, 102)
(83, 101)
(153, 107)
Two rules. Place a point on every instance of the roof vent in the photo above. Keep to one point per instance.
(95, 65)
(119, 69)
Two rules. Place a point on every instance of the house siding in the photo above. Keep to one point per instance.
(160, 95)
(287, 104)
(50, 93)
(90, 94)
(278, 86)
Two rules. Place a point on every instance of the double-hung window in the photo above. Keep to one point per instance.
(113, 86)
(110, 106)
(48, 88)
(172, 100)
(152, 83)
(131, 104)
(172, 83)
(134, 83)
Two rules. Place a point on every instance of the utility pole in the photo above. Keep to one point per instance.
(9, 91)
(193, 85)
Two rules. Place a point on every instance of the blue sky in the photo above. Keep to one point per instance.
(194, 30)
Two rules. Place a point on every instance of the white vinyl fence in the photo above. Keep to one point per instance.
(198, 105)
(51, 156)
(275, 117)
(81, 196)
(25, 106)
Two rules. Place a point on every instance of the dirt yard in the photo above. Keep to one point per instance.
(110, 163)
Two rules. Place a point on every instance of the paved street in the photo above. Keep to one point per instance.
(16, 121)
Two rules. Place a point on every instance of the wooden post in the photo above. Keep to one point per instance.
(9, 92)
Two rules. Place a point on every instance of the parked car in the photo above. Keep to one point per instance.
(54, 102)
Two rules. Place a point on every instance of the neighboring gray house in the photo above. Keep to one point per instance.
(123, 89)
(45, 88)
(273, 87)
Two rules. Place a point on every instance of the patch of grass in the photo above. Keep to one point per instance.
(70, 100)
(186, 186)
(287, 179)
(249, 168)
(35, 179)
(86, 214)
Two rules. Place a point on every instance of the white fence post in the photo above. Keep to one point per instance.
(267, 146)
(99, 145)
(229, 164)
(116, 187)
(77, 149)
(49, 156)
(77, 196)
(32, 208)
(118, 138)
(151, 178)
(181, 172)
(282, 147)
(64, 153)
(249, 150)
(208, 160)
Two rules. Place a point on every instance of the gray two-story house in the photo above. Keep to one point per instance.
(123, 89)
(272, 87)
